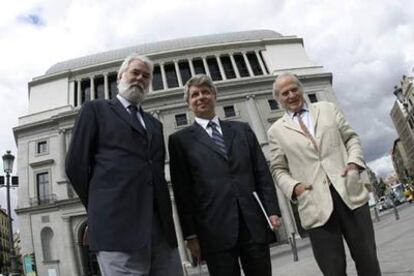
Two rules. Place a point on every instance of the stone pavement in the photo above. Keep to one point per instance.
(395, 243)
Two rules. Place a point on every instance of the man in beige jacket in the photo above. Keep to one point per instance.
(316, 158)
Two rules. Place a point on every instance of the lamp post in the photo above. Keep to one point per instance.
(8, 160)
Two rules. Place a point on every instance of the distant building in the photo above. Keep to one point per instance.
(402, 115)
(4, 242)
(243, 65)
(401, 163)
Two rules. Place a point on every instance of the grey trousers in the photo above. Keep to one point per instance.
(156, 259)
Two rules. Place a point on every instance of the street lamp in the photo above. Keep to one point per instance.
(8, 160)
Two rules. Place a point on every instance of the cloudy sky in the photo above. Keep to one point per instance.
(367, 45)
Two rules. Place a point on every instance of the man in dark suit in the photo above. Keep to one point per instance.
(215, 167)
(116, 165)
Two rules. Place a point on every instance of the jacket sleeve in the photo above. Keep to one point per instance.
(80, 156)
(182, 186)
(350, 139)
(279, 166)
(264, 182)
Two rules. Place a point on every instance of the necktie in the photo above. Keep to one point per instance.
(305, 129)
(133, 112)
(217, 138)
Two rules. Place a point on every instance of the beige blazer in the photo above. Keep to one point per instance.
(295, 160)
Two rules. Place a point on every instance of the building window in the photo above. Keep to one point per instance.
(263, 61)
(46, 237)
(199, 66)
(228, 67)
(75, 93)
(181, 119)
(171, 75)
(157, 83)
(113, 85)
(229, 111)
(86, 90)
(185, 71)
(99, 87)
(42, 184)
(273, 104)
(214, 69)
(241, 65)
(312, 98)
(254, 63)
(41, 148)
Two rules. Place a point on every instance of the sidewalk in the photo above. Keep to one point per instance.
(395, 243)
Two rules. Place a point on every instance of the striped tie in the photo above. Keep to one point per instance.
(217, 138)
(305, 129)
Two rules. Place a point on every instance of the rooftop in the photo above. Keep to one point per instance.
(161, 46)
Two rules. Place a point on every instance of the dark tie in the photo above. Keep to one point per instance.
(217, 138)
(133, 112)
(305, 129)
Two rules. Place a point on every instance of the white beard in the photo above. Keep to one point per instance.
(134, 93)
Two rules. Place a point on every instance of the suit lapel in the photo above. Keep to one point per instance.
(228, 134)
(148, 126)
(200, 135)
(119, 109)
(289, 123)
(314, 113)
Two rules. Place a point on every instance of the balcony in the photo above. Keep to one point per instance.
(43, 200)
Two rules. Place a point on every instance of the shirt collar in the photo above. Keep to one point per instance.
(125, 103)
(204, 122)
(304, 108)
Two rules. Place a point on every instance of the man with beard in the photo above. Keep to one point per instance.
(116, 165)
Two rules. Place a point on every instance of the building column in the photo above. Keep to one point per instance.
(233, 62)
(92, 88)
(249, 68)
(261, 62)
(106, 87)
(206, 66)
(164, 78)
(79, 83)
(223, 75)
(190, 62)
(177, 72)
(254, 115)
(71, 257)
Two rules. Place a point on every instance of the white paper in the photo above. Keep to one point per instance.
(263, 210)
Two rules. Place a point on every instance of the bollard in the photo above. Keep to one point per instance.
(292, 242)
(396, 214)
(377, 218)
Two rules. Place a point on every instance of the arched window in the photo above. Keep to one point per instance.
(46, 236)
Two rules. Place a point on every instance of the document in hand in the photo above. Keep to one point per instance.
(263, 210)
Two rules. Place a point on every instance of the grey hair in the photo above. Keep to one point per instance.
(132, 57)
(283, 75)
(199, 80)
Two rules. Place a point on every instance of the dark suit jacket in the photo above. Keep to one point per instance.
(209, 189)
(117, 171)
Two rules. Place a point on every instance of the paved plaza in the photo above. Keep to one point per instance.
(395, 242)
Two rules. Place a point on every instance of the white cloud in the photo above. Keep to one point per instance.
(382, 166)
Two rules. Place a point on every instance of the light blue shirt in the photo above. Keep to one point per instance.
(125, 103)
(306, 118)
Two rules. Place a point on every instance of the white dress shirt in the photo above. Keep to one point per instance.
(204, 122)
(306, 118)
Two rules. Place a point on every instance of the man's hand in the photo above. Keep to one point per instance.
(275, 221)
(301, 188)
(349, 167)
(194, 247)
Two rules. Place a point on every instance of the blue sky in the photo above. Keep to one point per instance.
(367, 45)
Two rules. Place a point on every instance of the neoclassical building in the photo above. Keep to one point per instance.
(243, 65)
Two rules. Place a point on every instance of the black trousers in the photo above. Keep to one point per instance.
(355, 226)
(254, 257)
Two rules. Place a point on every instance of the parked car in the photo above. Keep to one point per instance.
(384, 203)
